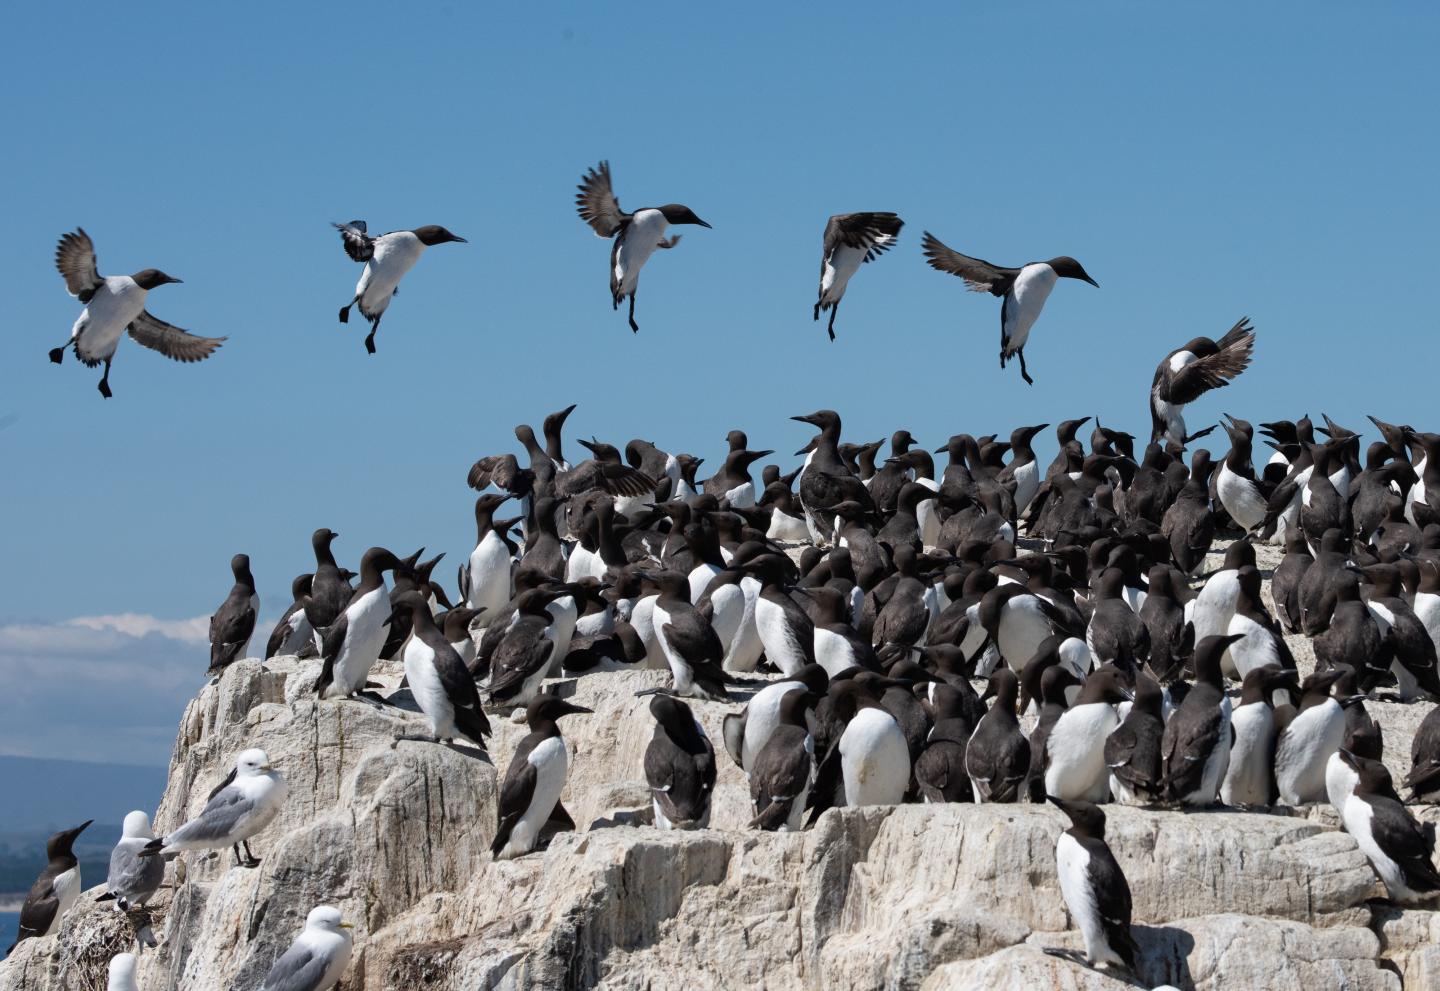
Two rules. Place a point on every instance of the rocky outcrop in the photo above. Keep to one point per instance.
(913, 897)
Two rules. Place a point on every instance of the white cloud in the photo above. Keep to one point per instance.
(196, 630)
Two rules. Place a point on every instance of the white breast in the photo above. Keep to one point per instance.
(832, 651)
(1027, 298)
(1303, 749)
(746, 647)
(762, 715)
(489, 576)
(776, 634)
(395, 254)
(1247, 779)
(1257, 650)
(67, 891)
(1240, 497)
(1076, 747)
(646, 230)
(116, 304)
(364, 637)
(875, 760)
(843, 262)
(427, 689)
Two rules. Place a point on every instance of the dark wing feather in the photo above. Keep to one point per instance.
(359, 245)
(524, 651)
(461, 691)
(617, 479)
(873, 233)
(516, 793)
(171, 341)
(979, 275)
(497, 469)
(39, 909)
(1214, 371)
(1112, 899)
(331, 640)
(597, 204)
(75, 258)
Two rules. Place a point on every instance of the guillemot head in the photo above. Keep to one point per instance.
(677, 213)
(1068, 268)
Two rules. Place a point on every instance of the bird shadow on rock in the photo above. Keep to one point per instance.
(1164, 956)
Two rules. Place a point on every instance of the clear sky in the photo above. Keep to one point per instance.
(1204, 162)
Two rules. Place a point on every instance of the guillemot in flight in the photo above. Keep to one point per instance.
(851, 239)
(115, 305)
(1024, 289)
(387, 258)
(635, 236)
(1192, 370)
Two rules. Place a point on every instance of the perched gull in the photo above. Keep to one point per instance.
(134, 878)
(318, 957)
(122, 973)
(242, 805)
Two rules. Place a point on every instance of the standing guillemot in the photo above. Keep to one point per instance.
(330, 590)
(387, 258)
(997, 756)
(1094, 887)
(526, 651)
(439, 681)
(1250, 777)
(1132, 750)
(317, 959)
(869, 762)
(487, 583)
(635, 235)
(1190, 371)
(826, 480)
(293, 633)
(1076, 766)
(784, 768)
(1196, 747)
(1024, 289)
(115, 305)
(244, 803)
(940, 769)
(1398, 847)
(851, 239)
(1423, 780)
(746, 732)
(679, 766)
(233, 624)
(56, 889)
(530, 796)
(352, 644)
(688, 640)
(1308, 739)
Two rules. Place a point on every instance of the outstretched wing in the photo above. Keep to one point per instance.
(500, 469)
(873, 233)
(359, 245)
(596, 202)
(1231, 357)
(171, 341)
(617, 479)
(979, 275)
(75, 258)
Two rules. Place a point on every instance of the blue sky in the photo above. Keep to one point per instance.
(1204, 163)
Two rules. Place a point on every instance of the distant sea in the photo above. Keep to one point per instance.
(9, 928)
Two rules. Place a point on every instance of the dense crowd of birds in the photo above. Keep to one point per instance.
(115, 305)
(879, 589)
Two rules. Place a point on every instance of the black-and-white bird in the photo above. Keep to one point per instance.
(240, 806)
(439, 681)
(133, 879)
(317, 959)
(115, 305)
(293, 633)
(530, 796)
(635, 236)
(784, 768)
(688, 640)
(387, 258)
(233, 623)
(1397, 846)
(679, 766)
(1024, 289)
(56, 889)
(1095, 890)
(851, 239)
(1192, 370)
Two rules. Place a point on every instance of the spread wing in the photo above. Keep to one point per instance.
(359, 245)
(499, 469)
(596, 202)
(617, 479)
(75, 258)
(301, 968)
(979, 275)
(1231, 357)
(873, 233)
(171, 341)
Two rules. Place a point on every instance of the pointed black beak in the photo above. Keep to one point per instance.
(1091, 281)
(457, 237)
(171, 278)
